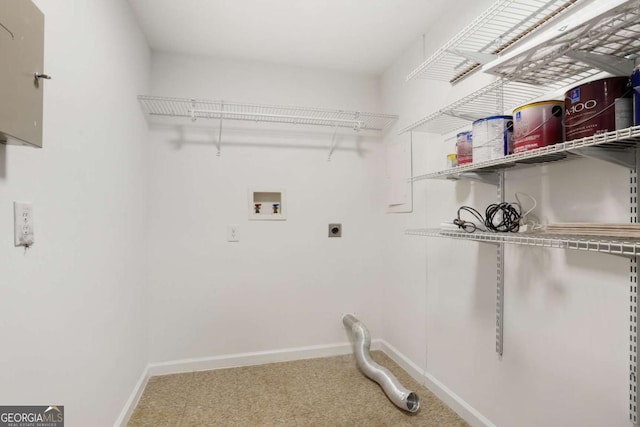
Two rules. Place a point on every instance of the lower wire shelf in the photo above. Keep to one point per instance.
(614, 246)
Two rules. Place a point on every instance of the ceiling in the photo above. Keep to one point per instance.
(352, 35)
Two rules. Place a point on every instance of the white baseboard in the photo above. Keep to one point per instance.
(452, 400)
(412, 369)
(248, 359)
(130, 406)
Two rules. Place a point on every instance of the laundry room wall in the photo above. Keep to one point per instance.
(566, 333)
(73, 307)
(285, 284)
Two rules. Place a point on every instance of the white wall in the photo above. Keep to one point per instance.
(72, 308)
(75, 312)
(566, 313)
(285, 284)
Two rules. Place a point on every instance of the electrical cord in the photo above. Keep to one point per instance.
(503, 217)
(529, 221)
(499, 218)
(468, 226)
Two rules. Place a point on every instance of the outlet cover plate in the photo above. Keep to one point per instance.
(23, 223)
(335, 230)
(233, 233)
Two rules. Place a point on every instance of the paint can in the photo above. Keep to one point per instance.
(635, 83)
(452, 160)
(596, 107)
(492, 138)
(464, 141)
(537, 125)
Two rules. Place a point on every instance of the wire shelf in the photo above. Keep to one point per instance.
(623, 247)
(492, 99)
(196, 109)
(620, 143)
(504, 23)
(605, 37)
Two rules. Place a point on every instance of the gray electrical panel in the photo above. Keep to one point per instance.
(22, 60)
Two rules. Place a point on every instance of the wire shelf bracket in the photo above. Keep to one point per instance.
(220, 129)
(616, 157)
(609, 63)
(333, 142)
(491, 178)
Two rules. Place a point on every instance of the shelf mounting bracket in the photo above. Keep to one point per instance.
(219, 143)
(617, 157)
(611, 64)
(465, 116)
(480, 58)
(333, 142)
(491, 178)
(192, 111)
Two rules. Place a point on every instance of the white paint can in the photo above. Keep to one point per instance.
(492, 138)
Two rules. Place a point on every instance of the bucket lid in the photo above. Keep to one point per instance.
(535, 104)
(606, 79)
(493, 118)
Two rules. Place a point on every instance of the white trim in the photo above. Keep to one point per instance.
(132, 402)
(412, 369)
(455, 402)
(249, 359)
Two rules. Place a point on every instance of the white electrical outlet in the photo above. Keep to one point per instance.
(23, 223)
(233, 233)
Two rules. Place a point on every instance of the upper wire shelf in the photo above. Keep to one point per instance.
(613, 246)
(490, 100)
(616, 146)
(603, 37)
(495, 30)
(204, 109)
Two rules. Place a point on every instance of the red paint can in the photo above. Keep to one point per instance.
(464, 148)
(537, 125)
(596, 107)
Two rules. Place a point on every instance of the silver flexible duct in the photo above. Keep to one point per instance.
(400, 396)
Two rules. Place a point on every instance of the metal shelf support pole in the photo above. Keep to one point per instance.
(633, 298)
(500, 277)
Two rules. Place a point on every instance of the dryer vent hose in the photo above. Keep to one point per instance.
(400, 396)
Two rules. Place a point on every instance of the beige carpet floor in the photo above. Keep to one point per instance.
(318, 392)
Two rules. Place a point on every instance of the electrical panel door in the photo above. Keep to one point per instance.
(21, 62)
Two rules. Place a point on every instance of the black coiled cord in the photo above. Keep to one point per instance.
(509, 214)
